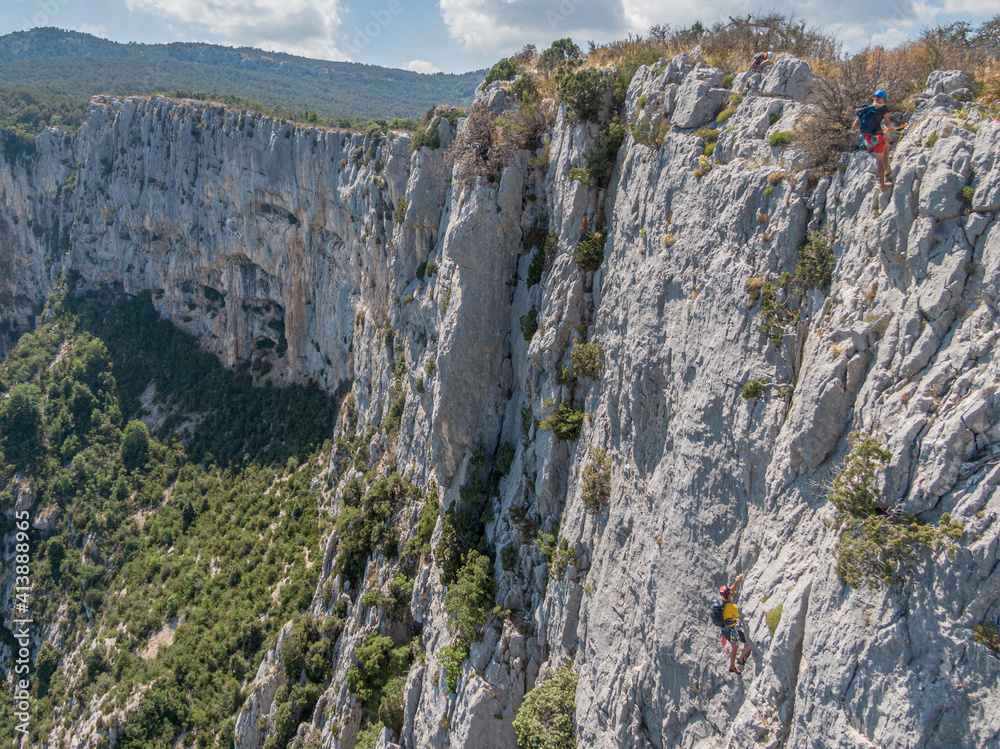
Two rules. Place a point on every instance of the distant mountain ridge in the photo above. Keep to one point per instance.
(39, 59)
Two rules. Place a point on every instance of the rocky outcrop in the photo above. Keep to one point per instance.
(243, 229)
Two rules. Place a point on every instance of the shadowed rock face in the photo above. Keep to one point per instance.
(244, 229)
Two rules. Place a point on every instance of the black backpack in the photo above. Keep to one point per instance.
(716, 613)
(867, 123)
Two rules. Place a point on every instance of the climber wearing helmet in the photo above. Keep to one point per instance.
(732, 632)
(868, 119)
(761, 60)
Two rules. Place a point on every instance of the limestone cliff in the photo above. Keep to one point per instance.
(343, 252)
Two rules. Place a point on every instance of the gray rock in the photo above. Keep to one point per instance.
(947, 82)
(697, 103)
(703, 482)
(788, 77)
(947, 173)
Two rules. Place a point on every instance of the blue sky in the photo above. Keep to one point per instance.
(453, 35)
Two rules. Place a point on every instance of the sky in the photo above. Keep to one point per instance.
(455, 35)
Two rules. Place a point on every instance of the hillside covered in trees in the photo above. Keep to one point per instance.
(77, 65)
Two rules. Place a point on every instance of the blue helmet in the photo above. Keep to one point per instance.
(881, 94)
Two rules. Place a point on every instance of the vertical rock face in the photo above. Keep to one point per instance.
(247, 230)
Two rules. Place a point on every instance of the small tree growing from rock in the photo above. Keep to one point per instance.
(546, 719)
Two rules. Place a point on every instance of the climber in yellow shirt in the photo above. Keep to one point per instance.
(732, 632)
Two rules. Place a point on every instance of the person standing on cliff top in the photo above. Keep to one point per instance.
(868, 119)
(732, 632)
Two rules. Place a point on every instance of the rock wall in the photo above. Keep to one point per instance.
(246, 230)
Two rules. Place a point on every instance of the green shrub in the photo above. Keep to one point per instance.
(558, 554)
(773, 617)
(368, 737)
(587, 360)
(724, 115)
(421, 271)
(426, 136)
(525, 89)
(781, 139)
(854, 487)
(505, 458)
(814, 269)
(727, 80)
(376, 662)
(401, 208)
(394, 417)
(753, 389)
(596, 489)
(21, 421)
(589, 253)
(551, 243)
(565, 422)
(986, 634)
(451, 658)
(874, 543)
(363, 525)
(709, 134)
(537, 267)
(601, 159)
(965, 195)
(468, 602)
(390, 710)
(815, 266)
(546, 718)
(529, 324)
(709, 149)
(561, 51)
(420, 543)
(504, 70)
(508, 557)
(374, 598)
(578, 174)
(583, 91)
(468, 605)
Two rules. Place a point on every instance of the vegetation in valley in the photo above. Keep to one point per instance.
(167, 567)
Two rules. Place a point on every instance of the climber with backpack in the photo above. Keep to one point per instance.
(868, 120)
(726, 615)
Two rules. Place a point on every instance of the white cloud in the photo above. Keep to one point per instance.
(973, 7)
(302, 27)
(507, 24)
(422, 66)
(86, 28)
(504, 25)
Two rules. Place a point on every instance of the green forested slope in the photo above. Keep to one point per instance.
(219, 536)
(79, 65)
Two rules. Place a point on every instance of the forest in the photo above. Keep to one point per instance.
(78, 66)
(166, 567)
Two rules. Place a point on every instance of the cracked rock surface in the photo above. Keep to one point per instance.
(238, 224)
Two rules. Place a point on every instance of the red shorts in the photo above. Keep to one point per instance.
(877, 142)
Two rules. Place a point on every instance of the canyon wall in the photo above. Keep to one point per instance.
(299, 252)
